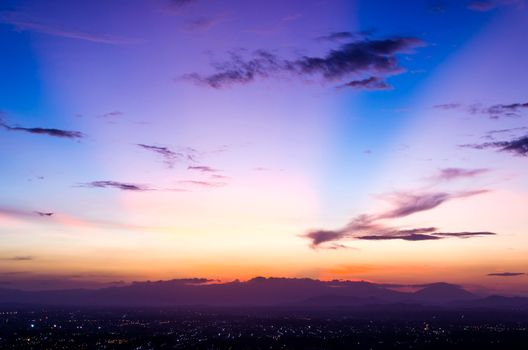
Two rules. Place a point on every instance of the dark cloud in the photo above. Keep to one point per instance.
(321, 236)
(118, 185)
(19, 258)
(241, 71)
(410, 237)
(506, 274)
(40, 213)
(517, 146)
(375, 227)
(24, 22)
(504, 110)
(44, 131)
(354, 59)
(448, 174)
(371, 83)
(464, 234)
(202, 168)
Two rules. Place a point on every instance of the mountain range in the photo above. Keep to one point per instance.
(263, 292)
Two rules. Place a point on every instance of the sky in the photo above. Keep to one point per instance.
(359, 140)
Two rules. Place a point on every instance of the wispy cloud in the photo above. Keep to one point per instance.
(408, 237)
(40, 213)
(24, 22)
(506, 274)
(448, 174)
(202, 168)
(44, 131)
(409, 203)
(371, 83)
(117, 185)
(495, 111)
(112, 114)
(518, 147)
(169, 156)
(375, 226)
(203, 183)
(341, 36)
(375, 58)
(19, 258)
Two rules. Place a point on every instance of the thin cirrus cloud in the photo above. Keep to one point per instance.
(506, 274)
(202, 24)
(488, 5)
(125, 186)
(169, 156)
(410, 203)
(44, 131)
(374, 227)
(172, 156)
(19, 258)
(24, 22)
(518, 146)
(370, 83)
(112, 114)
(448, 174)
(202, 168)
(341, 36)
(495, 111)
(207, 184)
(72, 221)
(374, 58)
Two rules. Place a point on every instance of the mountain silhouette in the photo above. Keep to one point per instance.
(258, 292)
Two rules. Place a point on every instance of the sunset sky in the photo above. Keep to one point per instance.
(384, 141)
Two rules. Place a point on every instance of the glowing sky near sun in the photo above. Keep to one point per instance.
(374, 140)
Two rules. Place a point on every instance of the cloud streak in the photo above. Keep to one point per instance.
(370, 83)
(22, 22)
(496, 111)
(117, 185)
(19, 258)
(449, 174)
(506, 274)
(203, 183)
(169, 156)
(202, 168)
(45, 131)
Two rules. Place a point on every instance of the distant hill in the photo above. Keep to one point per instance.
(259, 292)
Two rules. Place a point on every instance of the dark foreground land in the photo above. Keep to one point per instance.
(205, 328)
